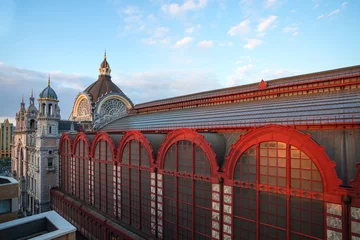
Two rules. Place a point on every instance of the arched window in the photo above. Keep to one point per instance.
(187, 200)
(81, 170)
(103, 179)
(135, 186)
(65, 165)
(275, 191)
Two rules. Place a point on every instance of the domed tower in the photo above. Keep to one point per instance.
(101, 102)
(49, 112)
(31, 114)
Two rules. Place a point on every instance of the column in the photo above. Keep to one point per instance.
(227, 210)
(333, 221)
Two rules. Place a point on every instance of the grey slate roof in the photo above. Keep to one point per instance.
(320, 108)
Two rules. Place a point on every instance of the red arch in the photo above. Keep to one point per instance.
(192, 136)
(135, 135)
(290, 136)
(102, 136)
(64, 137)
(80, 136)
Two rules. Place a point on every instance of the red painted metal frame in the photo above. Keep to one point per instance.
(192, 136)
(102, 136)
(142, 140)
(59, 201)
(136, 135)
(293, 137)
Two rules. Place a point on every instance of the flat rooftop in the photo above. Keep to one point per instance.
(48, 225)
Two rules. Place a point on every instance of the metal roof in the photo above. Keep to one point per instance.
(319, 108)
(299, 79)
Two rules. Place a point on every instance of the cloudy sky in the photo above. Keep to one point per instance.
(165, 48)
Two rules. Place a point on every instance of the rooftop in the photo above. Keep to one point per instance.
(48, 225)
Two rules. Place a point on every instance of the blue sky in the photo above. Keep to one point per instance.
(160, 48)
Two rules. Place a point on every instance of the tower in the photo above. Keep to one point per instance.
(49, 112)
(46, 149)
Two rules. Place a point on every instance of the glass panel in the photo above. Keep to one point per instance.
(245, 169)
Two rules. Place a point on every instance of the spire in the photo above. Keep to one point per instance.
(32, 93)
(32, 97)
(22, 98)
(49, 81)
(105, 54)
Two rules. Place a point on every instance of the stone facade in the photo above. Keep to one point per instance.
(35, 160)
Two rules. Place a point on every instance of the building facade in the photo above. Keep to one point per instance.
(273, 160)
(35, 150)
(8, 199)
(6, 132)
(101, 102)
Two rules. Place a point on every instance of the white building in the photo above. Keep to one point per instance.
(35, 161)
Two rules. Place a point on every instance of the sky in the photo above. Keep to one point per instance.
(166, 48)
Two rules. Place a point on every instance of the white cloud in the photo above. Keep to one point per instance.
(67, 86)
(130, 10)
(295, 34)
(154, 85)
(175, 9)
(183, 42)
(165, 40)
(269, 3)
(241, 28)
(205, 44)
(226, 44)
(266, 23)
(343, 5)
(149, 41)
(190, 30)
(2, 63)
(334, 12)
(244, 69)
(320, 17)
(160, 31)
(252, 43)
(289, 29)
(193, 29)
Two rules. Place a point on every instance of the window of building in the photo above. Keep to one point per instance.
(187, 202)
(50, 162)
(50, 130)
(5, 206)
(260, 201)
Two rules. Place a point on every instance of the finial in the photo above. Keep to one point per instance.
(32, 92)
(49, 81)
(22, 98)
(105, 54)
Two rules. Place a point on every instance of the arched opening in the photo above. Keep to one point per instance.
(32, 124)
(279, 180)
(50, 109)
(261, 205)
(65, 163)
(135, 186)
(187, 201)
(50, 130)
(43, 109)
(103, 173)
(82, 170)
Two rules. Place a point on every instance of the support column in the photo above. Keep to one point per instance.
(215, 232)
(334, 224)
(153, 203)
(227, 210)
(160, 205)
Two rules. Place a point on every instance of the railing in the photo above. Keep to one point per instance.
(86, 222)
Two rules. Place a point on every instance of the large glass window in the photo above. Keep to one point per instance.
(135, 186)
(187, 202)
(103, 176)
(265, 175)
